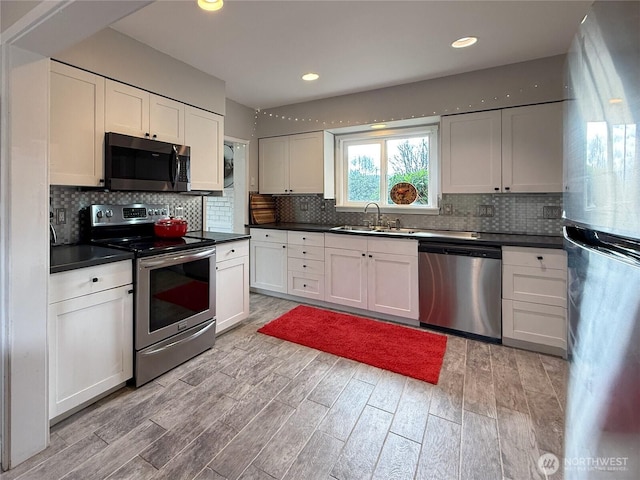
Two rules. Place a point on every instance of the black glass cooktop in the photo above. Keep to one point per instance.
(144, 246)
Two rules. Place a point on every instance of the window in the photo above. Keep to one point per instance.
(371, 163)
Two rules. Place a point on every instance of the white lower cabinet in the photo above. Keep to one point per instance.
(232, 284)
(346, 277)
(380, 275)
(90, 334)
(268, 259)
(305, 264)
(534, 299)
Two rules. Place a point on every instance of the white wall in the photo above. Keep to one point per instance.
(24, 252)
(238, 121)
(114, 55)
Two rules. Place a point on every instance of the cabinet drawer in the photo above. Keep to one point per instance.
(532, 284)
(346, 242)
(268, 235)
(228, 251)
(543, 258)
(303, 265)
(306, 285)
(530, 322)
(395, 246)
(306, 238)
(75, 283)
(301, 251)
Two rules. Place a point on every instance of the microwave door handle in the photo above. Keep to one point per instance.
(175, 167)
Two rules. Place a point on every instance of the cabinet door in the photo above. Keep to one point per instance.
(346, 277)
(306, 285)
(534, 323)
(204, 133)
(535, 284)
(471, 153)
(393, 284)
(76, 132)
(90, 347)
(166, 119)
(232, 292)
(126, 109)
(532, 148)
(306, 163)
(273, 162)
(269, 266)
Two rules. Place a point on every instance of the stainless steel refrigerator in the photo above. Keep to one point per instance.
(602, 238)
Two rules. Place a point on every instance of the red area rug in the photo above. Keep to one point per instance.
(404, 350)
(193, 296)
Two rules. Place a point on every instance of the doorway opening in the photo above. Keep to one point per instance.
(226, 211)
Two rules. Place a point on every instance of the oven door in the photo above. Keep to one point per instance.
(174, 293)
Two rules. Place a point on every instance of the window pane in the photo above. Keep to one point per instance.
(408, 161)
(364, 173)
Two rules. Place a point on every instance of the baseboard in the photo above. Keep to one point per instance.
(341, 308)
(536, 347)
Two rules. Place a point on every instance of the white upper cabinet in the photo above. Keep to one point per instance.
(76, 132)
(204, 133)
(511, 150)
(273, 162)
(138, 113)
(300, 163)
(471, 158)
(306, 163)
(532, 148)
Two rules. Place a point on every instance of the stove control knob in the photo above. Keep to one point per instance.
(109, 213)
(154, 211)
(163, 211)
(99, 214)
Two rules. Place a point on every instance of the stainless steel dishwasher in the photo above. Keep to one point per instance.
(460, 288)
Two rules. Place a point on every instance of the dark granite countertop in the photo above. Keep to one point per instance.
(219, 237)
(493, 239)
(71, 257)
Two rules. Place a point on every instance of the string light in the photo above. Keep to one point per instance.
(481, 103)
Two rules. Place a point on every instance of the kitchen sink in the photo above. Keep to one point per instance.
(408, 231)
(366, 229)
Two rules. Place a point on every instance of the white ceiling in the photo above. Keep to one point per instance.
(261, 48)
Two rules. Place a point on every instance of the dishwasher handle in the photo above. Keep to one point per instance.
(460, 250)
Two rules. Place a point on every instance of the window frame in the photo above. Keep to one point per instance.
(381, 136)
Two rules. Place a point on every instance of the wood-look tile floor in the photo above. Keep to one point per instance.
(256, 407)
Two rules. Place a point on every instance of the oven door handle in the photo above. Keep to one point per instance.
(159, 349)
(188, 257)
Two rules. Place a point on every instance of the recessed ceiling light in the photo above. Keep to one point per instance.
(464, 42)
(210, 5)
(615, 100)
(310, 77)
(378, 126)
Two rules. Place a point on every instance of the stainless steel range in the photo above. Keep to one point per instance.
(174, 286)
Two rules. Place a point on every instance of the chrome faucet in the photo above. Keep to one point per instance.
(378, 220)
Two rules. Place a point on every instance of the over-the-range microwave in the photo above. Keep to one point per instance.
(142, 164)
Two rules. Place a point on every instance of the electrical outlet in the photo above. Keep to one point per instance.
(61, 216)
(304, 206)
(551, 212)
(485, 211)
(323, 206)
(447, 209)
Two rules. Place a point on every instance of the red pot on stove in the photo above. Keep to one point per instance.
(170, 227)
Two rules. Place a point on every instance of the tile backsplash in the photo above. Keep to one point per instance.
(531, 214)
(73, 200)
(219, 211)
